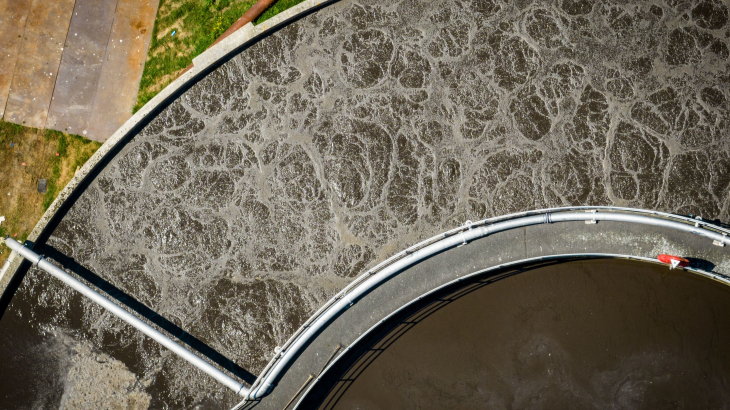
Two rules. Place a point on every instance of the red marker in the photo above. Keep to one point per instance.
(673, 261)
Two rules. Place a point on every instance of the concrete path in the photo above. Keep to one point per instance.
(13, 16)
(123, 65)
(78, 76)
(77, 65)
(31, 89)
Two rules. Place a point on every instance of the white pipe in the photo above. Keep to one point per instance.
(640, 219)
(126, 316)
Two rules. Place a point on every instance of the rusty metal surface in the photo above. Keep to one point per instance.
(81, 65)
(13, 15)
(123, 65)
(35, 74)
(250, 15)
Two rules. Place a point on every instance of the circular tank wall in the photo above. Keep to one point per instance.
(583, 334)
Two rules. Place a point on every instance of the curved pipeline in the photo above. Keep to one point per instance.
(456, 237)
(481, 272)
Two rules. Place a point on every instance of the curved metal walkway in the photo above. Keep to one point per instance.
(476, 247)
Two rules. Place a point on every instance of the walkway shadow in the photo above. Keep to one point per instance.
(133, 304)
(249, 405)
(701, 264)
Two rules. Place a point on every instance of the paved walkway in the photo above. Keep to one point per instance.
(13, 15)
(73, 65)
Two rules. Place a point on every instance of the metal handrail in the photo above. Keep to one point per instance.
(455, 237)
(514, 264)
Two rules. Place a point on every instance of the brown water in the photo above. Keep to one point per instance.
(578, 335)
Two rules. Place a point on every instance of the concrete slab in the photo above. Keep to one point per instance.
(13, 16)
(81, 65)
(123, 65)
(40, 55)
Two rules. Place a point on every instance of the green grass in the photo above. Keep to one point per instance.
(37, 149)
(74, 151)
(197, 24)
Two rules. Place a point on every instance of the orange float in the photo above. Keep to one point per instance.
(673, 261)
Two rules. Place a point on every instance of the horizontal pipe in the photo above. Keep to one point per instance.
(480, 229)
(115, 309)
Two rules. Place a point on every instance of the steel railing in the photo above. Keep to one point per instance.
(456, 237)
